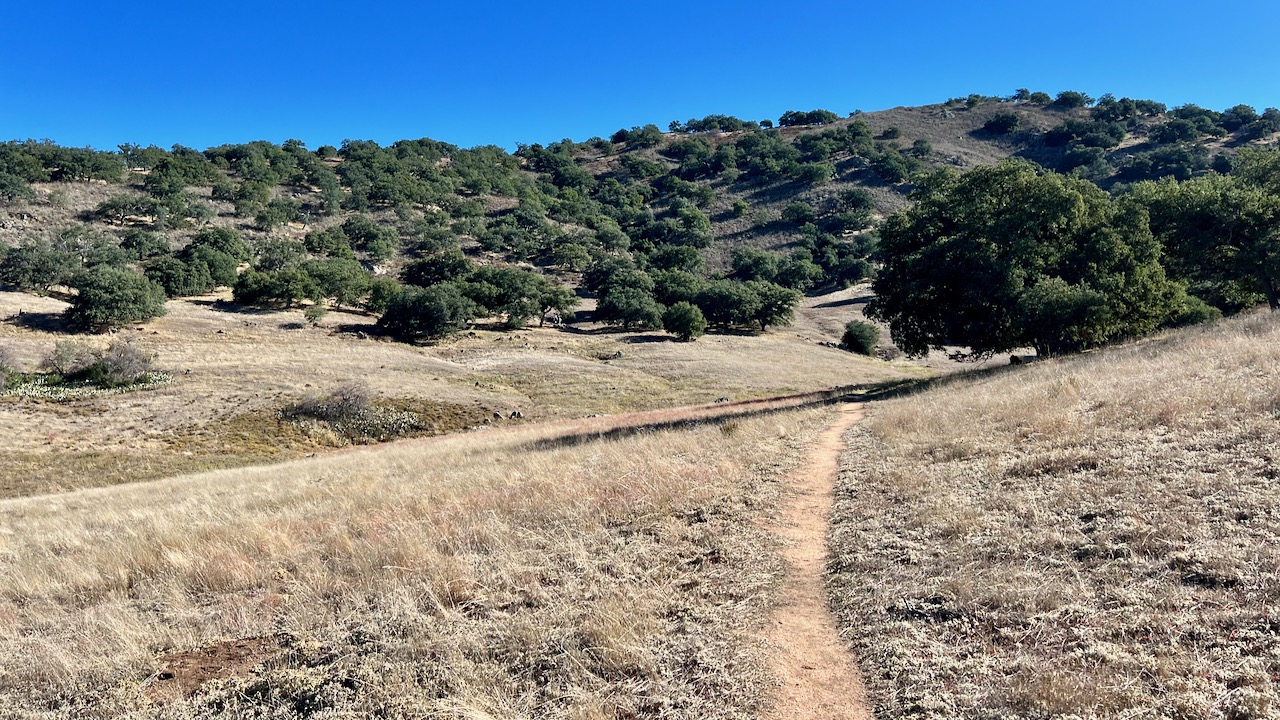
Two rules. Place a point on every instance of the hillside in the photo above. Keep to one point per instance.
(1090, 537)
(425, 431)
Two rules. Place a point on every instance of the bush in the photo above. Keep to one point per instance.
(349, 411)
(798, 213)
(860, 337)
(122, 365)
(684, 320)
(1002, 123)
(347, 401)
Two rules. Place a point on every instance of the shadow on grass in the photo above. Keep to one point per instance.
(230, 307)
(845, 303)
(734, 411)
(50, 322)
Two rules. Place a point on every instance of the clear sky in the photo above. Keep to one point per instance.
(474, 73)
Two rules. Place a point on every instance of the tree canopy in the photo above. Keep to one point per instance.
(1009, 256)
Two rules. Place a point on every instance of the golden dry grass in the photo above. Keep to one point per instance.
(1093, 537)
(469, 576)
(232, 371)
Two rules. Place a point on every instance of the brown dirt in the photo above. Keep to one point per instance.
(183, 673)
(819, 678)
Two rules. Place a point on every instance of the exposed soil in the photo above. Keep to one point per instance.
(818, 676)
(183, 673)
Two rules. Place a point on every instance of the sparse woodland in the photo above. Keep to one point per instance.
(1088, 537)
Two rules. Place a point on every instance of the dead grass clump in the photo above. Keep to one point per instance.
(349, 412)
(1090, 537)
(468, 576)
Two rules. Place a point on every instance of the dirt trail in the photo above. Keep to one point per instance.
(819, 677)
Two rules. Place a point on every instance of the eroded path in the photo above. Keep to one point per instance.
(818, 674)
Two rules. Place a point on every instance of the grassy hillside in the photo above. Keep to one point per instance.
(487, 575)
(1091, 537)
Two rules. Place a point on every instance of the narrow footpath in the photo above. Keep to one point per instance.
(819, 678)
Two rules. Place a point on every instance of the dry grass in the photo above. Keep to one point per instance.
(468, 576)
(233, 371)
(1095, 537)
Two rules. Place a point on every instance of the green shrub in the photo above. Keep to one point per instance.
(860, 337)
(684, 320)
(1002, 123)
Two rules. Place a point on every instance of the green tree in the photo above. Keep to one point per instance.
(225, 240)
(673, 286)
(382, 290)
(178, 278)
(799, 272)
(446, 266)
(1222, 233)
(797, 212)
(1068, 99)
(427, 313)
(961, 266)
(629, 307)
(726, 304)
(342, 280)
(144, 245)
(14, 188)
(108, 297)
(684, 320)
(754, 264)
(777, 304)
(38, 266)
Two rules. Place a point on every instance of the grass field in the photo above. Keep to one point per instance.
(472, 576)
(234, 370)
(1093, 537)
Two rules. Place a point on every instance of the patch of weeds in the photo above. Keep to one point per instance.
(77, 370)
(350, 413)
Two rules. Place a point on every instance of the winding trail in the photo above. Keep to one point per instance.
(820, 680)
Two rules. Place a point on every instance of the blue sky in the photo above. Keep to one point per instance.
(475, 73)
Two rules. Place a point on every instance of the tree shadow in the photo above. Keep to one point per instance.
(236, 309)
(50, 322)
(641, 339)
(862, 300)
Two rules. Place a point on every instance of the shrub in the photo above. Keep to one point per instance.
(71, 357)
(121, 365)
(1002, 123)
(860, 337)
(349, 411)
(684, 320)
(315, 313)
